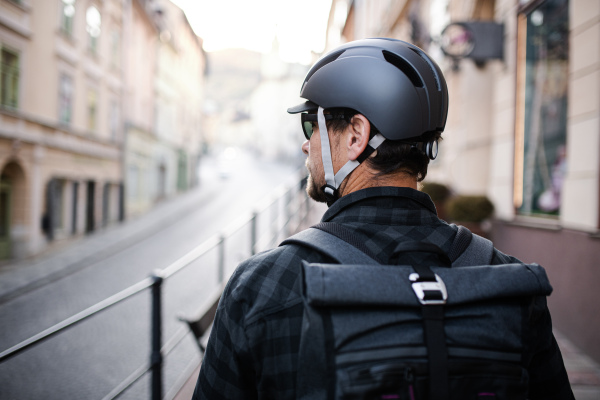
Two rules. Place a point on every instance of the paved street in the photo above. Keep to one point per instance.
(89, 360)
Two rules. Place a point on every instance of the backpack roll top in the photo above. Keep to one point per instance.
(389, 285)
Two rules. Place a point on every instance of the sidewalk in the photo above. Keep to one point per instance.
(71, 255)
(584, 373)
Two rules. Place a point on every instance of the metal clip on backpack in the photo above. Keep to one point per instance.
(373, 331)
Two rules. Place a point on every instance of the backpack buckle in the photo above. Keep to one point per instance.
(429, 292)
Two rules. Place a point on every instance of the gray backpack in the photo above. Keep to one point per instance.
(373, 331)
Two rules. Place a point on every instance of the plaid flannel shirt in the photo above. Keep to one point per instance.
(252, 352)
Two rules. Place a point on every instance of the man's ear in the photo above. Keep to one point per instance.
(358, 137)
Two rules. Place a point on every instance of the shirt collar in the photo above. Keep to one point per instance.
(385, 191)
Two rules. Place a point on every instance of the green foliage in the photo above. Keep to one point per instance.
(438, 192)
(469, 208)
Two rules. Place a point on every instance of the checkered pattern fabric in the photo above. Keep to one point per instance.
(253, 348)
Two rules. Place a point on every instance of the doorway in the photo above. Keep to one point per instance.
(13, 211)
(5, 213)
(90, 206)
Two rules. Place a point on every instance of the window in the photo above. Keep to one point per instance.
(65, 99)
(115, 49)
(541, 137)
(9, 78)
(92, 110)
(93, 22)
(66, 17)
(114, 120)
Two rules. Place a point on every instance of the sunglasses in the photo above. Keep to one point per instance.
(309, 121)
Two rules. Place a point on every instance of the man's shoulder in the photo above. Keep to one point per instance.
(498, 257)
(267, 281)
(502, 258)
(268, 264)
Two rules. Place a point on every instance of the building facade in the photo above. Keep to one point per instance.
(84, 141)
(523, 127)
(60, 129)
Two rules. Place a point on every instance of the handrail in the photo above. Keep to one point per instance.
(75, 319)
(155, 281)
(197, 252)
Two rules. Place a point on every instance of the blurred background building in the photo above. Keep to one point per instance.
(100, 115)
(523, 126)
(163, 99)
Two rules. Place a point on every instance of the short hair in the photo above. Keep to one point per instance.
(392, 155)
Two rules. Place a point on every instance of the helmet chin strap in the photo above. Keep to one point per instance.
(332, 180)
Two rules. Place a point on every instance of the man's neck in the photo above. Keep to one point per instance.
(364, 177)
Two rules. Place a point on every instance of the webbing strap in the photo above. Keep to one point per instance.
(462, 240)
(469, 249)
(435, 338)
(350, 166)
(437, 352)
(347, 236)
(330, 186)
(331, 245)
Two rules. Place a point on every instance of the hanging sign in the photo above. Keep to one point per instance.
(478, 40)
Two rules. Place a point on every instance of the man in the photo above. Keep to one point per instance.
(374, 113)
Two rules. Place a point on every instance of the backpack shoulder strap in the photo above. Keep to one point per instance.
(469, 249)
(325, 238)
(340, 244)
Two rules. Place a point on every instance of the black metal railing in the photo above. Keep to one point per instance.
(296, 214)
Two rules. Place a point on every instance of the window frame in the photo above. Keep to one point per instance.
(16, 75)
(92, 38)
(92, 109)
(521, 129)
(63, 77)
(67, 23)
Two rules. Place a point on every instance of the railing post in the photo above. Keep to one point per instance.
(275, 224)
(156, 356)
(286, 213)
(221, 261)
(253, 233)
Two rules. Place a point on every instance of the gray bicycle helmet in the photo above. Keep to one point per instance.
(394, 84)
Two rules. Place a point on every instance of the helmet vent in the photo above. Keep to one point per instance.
(405, 67)
(428, 61)
(323, 62)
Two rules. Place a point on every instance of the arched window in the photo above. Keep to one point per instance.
(93, 23)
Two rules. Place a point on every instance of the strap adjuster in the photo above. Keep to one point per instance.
(329, 190)
(429, 292)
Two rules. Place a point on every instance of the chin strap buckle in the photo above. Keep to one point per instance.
(330, 192)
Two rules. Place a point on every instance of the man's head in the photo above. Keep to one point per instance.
(387, 89)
